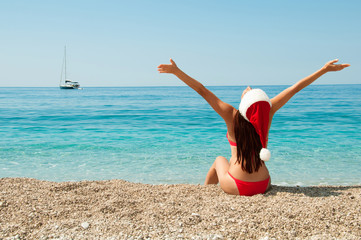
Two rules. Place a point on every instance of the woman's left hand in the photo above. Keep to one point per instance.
(331, 66)
(168, 68)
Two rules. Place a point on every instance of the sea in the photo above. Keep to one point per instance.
(170, 135)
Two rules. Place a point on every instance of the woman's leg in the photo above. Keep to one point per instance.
(218, 170)
(212, 177)
(219, 173)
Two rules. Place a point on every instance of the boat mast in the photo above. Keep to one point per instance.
(62, 67)
(65, 60)
(61, 72)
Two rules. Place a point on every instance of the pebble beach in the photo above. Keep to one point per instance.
(116, 209)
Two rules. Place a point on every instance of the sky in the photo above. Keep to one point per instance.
(121, 43)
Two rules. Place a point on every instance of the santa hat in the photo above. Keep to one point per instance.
(255, 107)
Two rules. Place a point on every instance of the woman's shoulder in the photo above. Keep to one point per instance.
(229, 118)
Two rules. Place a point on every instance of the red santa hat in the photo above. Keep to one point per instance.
(255, 107)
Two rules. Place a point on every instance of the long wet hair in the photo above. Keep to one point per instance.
(248, 144)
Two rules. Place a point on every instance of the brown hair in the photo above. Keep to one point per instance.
(248, 144)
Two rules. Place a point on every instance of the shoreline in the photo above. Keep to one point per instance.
(117, 209)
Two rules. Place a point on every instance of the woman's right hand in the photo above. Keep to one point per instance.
(331, 66)
(168, 68)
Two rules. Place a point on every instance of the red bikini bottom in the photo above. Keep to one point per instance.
(251, 188)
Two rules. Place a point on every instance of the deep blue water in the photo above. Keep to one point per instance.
(171, 135)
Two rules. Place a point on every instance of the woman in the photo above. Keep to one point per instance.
(247, 131)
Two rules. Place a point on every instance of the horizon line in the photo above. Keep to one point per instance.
(135, 86)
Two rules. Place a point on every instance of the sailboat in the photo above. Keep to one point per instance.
(64, 82)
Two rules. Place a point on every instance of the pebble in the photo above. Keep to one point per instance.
(85, 225)
(3, 204)
(216, 237)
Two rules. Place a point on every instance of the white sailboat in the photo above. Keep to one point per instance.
(64, 82)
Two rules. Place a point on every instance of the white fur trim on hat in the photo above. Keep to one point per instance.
(265, 154)
(255, 95)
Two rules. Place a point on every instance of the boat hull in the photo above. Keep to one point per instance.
(68, 87)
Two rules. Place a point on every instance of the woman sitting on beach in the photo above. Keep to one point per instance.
(247, 131)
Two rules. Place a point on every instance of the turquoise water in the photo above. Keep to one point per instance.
(171, 135)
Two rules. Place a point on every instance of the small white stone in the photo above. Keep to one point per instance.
(85, 225)
(195, 214)
(216, 237)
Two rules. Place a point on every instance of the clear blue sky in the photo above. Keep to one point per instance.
(120, 43)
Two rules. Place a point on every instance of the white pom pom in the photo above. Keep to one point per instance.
(265, 154)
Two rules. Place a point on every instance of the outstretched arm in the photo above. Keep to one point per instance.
(223, 109)
(282, 98)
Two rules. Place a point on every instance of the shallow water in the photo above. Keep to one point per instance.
(171, 135)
